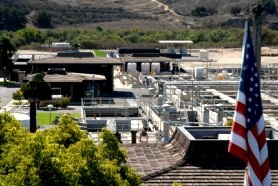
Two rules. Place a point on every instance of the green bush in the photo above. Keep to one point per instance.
(18, 95)
(44, 103)
(62, 102)
(21, 102)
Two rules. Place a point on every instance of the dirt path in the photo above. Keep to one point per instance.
(166, 8)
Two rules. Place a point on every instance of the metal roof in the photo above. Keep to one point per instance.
(176, 42)
(76, 60)
(146, 59)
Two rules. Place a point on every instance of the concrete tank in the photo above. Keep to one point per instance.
(155, 68)
(145, 68)
(199, 72)
(131, 67)
(111, 125)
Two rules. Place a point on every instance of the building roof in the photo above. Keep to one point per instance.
(69, 77)
(76, 60)
(176, 42)
(145, 59)
(193, 160)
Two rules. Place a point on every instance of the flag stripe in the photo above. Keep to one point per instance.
(248, 138)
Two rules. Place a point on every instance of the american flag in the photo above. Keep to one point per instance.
(248, 138)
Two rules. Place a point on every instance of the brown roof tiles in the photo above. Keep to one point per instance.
(190, 161)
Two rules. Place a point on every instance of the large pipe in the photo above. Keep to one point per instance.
(223, 83)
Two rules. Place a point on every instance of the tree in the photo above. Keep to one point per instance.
(42, 19)
(35, 91)
(235, 10)
(63, 155)
(7, 50)
(27, 36)
(37, 88)
(269, 6)
(201, 12)
(12, 18)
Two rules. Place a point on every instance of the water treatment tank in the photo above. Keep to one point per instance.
(145, 68)
(111, 125)
(225, 73)
(199, 72)
(155, 68)
(131, 67)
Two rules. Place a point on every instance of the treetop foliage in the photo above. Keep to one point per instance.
(63, 155)
(37, 88)
(7, 50)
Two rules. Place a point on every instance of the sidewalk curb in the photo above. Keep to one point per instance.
(9, 106)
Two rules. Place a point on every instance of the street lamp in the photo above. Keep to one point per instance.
(4, 68)
(50, 107)
(93, 91)
(192, 96)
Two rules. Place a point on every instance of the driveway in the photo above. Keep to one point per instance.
(6, 94)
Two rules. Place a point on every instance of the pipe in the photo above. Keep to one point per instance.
(263, 82)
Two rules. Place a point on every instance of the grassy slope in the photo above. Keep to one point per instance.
(143, 14)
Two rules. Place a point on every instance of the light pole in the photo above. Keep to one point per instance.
(4, 68)
(192, 96)
(93, 91)
(50, 107)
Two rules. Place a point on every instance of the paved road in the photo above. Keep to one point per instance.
(6, 94)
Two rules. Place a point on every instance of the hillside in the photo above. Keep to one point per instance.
(138, 14)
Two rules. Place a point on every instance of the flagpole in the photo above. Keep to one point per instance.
(257, 24)
(248, 138)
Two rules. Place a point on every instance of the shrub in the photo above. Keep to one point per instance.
(18, 95)
(62, 102)
(201, 11)
(21, 102)
(44, 103)
(235, 10)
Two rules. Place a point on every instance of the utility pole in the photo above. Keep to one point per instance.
(257, 23)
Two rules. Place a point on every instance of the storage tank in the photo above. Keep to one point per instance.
(204, 55)
(173, 113)
(155, 68)
(131, 67)
(160, 100)
(111, 125)
(145, 68)
(61, 45)
(225, 73)
(199, 72)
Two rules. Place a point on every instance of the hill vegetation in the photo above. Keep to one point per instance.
(143, 14)
(119, 23)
